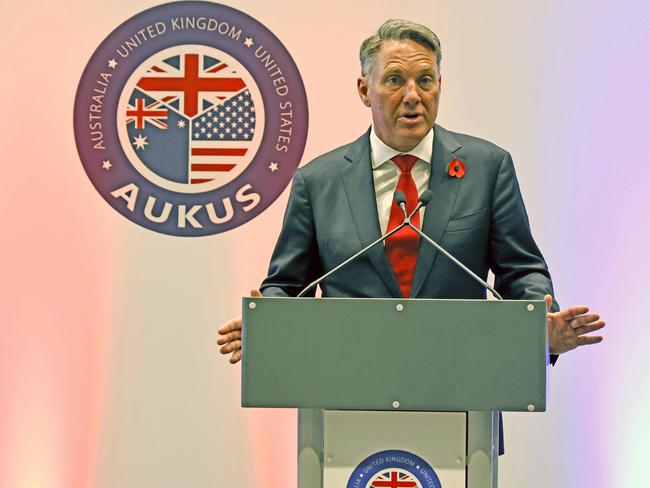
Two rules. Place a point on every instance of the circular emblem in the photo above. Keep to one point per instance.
(190, 118)
(393, 469)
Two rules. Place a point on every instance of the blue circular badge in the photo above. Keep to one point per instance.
(394, 469)
(190, 118)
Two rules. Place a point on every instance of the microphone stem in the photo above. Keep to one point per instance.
(416, 209)
(456, 261)
(351, 258)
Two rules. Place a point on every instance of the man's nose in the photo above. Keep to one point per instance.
(411, 94)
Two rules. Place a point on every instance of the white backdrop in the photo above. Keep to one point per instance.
(111, 377)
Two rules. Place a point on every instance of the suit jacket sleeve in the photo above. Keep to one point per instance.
(518, 265)
(295, 261)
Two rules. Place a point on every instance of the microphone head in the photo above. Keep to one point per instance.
(426, 197)
(399, 197)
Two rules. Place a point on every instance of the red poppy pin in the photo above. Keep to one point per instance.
(456, 168)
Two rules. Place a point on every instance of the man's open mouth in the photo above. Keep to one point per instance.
(410, 116)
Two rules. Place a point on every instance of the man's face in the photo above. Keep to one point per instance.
(402, 91)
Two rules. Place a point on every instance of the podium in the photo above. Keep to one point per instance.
(395, 392)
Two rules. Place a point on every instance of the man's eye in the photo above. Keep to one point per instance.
(394, 80)
(426, 80)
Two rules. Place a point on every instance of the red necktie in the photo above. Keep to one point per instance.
(402, 247)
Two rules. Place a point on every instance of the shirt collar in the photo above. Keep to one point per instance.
(380, 152)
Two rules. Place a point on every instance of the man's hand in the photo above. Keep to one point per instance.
(230, 335)
(567, 328)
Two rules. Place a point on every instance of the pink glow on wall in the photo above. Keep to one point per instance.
(56, 293)
(274, 445)
(53, 367)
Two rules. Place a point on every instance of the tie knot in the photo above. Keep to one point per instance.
(405, 162)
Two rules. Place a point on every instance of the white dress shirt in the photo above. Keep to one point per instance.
(385, 172)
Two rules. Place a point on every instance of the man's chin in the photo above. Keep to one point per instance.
(408, 139)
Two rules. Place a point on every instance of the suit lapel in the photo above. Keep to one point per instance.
(360, 190)
(438, 211)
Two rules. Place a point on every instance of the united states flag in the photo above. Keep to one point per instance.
(221, 137)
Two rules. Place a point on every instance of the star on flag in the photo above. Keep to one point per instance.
(140, 141)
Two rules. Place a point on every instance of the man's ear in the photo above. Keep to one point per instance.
(362, 88)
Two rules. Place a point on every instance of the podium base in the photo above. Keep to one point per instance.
(350, 449)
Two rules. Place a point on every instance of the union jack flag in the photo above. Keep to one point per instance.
(141, 113)
(394, 478)
(197, 80)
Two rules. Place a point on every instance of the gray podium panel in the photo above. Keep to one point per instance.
(386, 354)
(439, 438)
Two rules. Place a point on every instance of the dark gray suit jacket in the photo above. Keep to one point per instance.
(480, 219)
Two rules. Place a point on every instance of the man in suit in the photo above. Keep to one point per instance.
(343, 200)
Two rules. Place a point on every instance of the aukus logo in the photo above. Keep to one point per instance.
(394, 469)
(190, 118)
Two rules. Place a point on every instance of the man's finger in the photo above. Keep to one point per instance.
(587, 329)
(230, 347)
(231, 336)
(584, 319)
(572, 312)
(549, 302)
(586, 340)
(232, 324)
(236, 356)
(256, 293)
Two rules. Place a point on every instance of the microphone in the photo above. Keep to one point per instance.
(424, 199)
(400, 199)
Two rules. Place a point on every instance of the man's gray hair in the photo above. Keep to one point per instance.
(399, 30)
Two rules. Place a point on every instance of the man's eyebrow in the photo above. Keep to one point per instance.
(396, 66)
(429, 67)
(393, 67)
